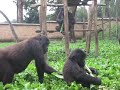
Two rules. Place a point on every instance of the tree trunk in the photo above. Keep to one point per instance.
(66, 24)
(19, 11)
(42, 20)
(117, 16)
(95, 28)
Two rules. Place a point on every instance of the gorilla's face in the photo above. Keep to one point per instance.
(81, 63)
(45, 42)
(78, 56)
(45, 48)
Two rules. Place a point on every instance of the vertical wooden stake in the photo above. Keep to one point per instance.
(89, 27)
(102, 26)
(109, 20)
(117, 33)
(42, 19)
(19, 11)
(66, 24)
(84, 33)
(95, 27)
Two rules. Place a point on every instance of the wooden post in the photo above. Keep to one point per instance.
(88, 34)
(84, 33)
(19, 11)
(102, 26)
(95, 27)
(109, 20)
(117, 33)
(66, 24)
(109, 27)
(42, 19)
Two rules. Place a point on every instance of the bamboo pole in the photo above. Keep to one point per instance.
(66, 24)
(95, 28)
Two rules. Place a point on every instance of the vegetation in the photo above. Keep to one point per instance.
(81, 14)
(107, 63)
(32, 14)
(112, 7)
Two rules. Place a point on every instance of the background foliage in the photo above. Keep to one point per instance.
(31, 15)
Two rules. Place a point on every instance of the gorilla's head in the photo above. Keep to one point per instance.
(78, 56)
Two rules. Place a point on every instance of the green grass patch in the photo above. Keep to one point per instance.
(107, 63)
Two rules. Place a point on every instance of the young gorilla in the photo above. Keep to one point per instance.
(14, 59)
(74, 70)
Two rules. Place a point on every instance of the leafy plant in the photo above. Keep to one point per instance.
(107, 63)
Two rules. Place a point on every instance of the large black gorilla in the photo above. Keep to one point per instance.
(14, 59)
(74, 70)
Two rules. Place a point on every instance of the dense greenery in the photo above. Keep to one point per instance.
(32, 15)
(81, 14)
(107, 64)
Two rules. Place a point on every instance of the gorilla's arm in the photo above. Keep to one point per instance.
(16, 58)
(40, 63)
(94, 71)
(49, 69)
(80, 75)
(39, 59)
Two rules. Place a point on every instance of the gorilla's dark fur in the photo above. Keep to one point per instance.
(14, 59)
(74, 70)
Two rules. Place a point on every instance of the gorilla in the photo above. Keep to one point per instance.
(74, 70)
(14, 59)
(60, 21)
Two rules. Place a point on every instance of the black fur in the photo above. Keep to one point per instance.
(74, 70)
(15, 59)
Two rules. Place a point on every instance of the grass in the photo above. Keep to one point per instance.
(107, 63)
